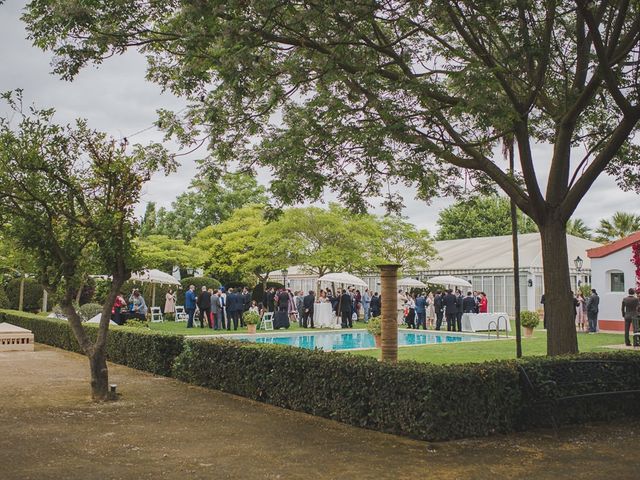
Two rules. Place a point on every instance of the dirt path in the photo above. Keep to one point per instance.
(162, 428)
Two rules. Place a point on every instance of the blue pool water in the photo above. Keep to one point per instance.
(352, 339)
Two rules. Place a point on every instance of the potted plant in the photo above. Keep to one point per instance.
(374, 327)
(251, 319)
(529, 320)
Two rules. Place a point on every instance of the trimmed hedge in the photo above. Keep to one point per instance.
(419, 400)
(32, 294)
(424, 401)
(152, 352)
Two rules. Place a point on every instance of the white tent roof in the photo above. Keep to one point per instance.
(343, 277)
(154, 276)
(410, 282)
(486, 253)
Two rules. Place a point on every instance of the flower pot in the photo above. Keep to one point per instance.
(528, 332)
(378, 340)
(251, 328)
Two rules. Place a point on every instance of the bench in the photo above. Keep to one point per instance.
(572, 381)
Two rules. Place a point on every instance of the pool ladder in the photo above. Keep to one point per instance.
(497, 325)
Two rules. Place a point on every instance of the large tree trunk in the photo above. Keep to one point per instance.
(99, 375)
(558, 301)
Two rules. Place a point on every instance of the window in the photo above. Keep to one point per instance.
(617, 281)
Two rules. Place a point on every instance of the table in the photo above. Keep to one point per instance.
(473, 322)
(324, 317)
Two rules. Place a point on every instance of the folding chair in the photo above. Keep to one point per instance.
(181, 314)
(267, 321)
(156, 314)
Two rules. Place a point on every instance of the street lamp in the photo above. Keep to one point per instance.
(284, 275)
(578, 263)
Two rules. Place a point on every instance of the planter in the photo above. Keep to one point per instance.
(528, 332)
(378, 340)
(251, 328)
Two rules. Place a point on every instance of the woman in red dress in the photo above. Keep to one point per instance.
(484, 303)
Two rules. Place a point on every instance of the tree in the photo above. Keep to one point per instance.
(620, 225)
(480, 216)
(212, 199)
(331, 240)
(577, 228)
(67, 192)
(149, 220)
(401, 243)
(380, 92)
(244, 247)
(163, 253)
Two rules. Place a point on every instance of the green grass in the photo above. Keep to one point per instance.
(495, 349)
(441, 353)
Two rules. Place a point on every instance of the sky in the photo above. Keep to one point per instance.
(116, 98)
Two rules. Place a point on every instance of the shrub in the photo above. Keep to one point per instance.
(199, 282)
(89, 310)
(251, 318)
(4, 300)
(152, 352)
(529, 319)
(375, 326)
(32, 294)
(257, 293)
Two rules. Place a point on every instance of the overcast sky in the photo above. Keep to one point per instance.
(117, 99)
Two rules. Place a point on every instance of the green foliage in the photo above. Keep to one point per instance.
(374, 326)
(621, 225)
(212, 200)
(577, 228)
(4, 300)
(402, 243)
(134, 347)
(529, 319)
(163, 253)
(480, 216)
(32, 294)
(89, 310)
(585, 288)
(251, 318)
(199, 282)
(257, 293)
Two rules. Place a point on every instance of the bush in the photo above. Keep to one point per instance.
(251, 318)
(529, 319)
(257, 293)
(374, 327)
(152, 352)
(32, 294)
(199, 282)
(4, 300)
(89, 310)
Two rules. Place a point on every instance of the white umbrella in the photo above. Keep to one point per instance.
(449, 280)
(411, 282)
(96, 319)
(343, 277)
(156, 277)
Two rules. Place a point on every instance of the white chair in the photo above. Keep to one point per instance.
(181, 314)
(267, 321)
(156, 314)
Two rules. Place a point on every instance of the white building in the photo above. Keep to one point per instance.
(486, 262)
(613, 274)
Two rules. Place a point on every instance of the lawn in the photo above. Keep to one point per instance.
(440, 353)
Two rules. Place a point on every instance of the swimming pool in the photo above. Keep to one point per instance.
(353, 339)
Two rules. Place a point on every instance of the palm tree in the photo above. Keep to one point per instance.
(621, 225)
(577, 228)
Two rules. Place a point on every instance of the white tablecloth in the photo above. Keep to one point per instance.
(323, 316)
(473, 322)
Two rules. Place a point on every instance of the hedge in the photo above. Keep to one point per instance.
(152, 352)
(424, 401)
(32, 294)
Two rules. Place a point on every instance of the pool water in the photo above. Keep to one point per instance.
(353, 339)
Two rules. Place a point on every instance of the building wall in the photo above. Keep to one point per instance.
(609, 317)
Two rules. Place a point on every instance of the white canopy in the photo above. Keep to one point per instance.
(154, 276)
(411, 282)
(343, 277)
(449, 280)
(96, 319)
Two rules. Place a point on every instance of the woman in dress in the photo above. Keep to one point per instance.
(322, 298)
(170, 302)
(431, 310)
(484, 303)
(581, 311)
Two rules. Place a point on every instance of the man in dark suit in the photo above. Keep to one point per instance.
(459, 300)
(469, 303)
(344, 307)
(307, 309)
(450, 303)
(204, 305)
(234, 307)
(376, 305)
(630, 313)
(593, 303)
(421, 311)
(269, 302)
(438, 305)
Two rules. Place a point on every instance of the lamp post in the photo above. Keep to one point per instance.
(284, 275)
(578, 263)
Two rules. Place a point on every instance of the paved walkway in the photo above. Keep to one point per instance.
(161, 428)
